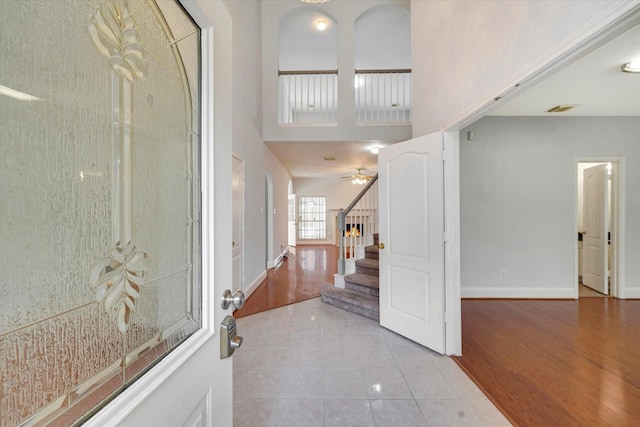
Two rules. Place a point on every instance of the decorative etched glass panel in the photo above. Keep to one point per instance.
(99, 200)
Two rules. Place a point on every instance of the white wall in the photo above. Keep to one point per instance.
(248, 143)
(339, 193)
(517, 202)
(466, 53)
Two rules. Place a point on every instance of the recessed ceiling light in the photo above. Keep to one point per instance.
(631, 67)
(559, 108)
(375, 149)
(321, 25)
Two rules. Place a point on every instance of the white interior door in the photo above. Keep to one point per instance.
(238, 224)
(292, 220)
(595, 219)
(411, 229)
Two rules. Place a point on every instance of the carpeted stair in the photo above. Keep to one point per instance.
(361, 288)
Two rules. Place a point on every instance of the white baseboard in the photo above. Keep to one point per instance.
(525, 293)
(632, 293)
(280, 257)
(254, 285)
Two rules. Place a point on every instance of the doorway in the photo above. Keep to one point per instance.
(268, 220)
(237, 232)
(292, 223)
(600, 227)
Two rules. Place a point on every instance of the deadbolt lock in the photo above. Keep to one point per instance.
(229, 340)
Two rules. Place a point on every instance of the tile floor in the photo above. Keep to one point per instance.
(310, 364)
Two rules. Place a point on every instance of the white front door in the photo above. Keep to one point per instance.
(238, 224)
(192, 386)
(411, 229)
(595, 220)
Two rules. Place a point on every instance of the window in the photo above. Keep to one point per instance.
(312, 218)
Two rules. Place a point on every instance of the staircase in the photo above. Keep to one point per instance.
(360, 294)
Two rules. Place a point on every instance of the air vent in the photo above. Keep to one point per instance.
(329, 158)
(560, 109)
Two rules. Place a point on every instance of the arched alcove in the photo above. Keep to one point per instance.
(302, 46)
(382, 54)
(383, 38)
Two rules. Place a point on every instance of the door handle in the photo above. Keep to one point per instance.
(380, 245)
(236, 299)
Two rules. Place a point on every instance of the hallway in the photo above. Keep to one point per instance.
(298, 278)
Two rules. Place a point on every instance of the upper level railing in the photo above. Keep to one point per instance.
(308, 97)
(383, 96)
(357, 223)
(311, 97)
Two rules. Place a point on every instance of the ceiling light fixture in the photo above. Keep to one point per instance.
(315, 1)
(375, 149)
(631, 67)
(359, 181)
(321, 25)
(360, 178)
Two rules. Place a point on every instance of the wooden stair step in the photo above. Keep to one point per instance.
(352, 301)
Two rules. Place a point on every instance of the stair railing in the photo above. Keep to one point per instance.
(357, 223)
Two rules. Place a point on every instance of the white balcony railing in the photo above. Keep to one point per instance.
(383, 96)
(311, 97)
(308, 97)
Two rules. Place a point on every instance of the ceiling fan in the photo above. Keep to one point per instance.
(358, 178)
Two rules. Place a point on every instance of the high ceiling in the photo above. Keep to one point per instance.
(593, 85)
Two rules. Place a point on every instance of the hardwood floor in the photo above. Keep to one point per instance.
(298, 278)
(556, 363)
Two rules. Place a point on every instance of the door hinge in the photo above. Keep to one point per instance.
(444, 317)
(445, 236)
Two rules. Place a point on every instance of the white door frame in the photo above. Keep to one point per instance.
(618, 190)
(452, 261)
